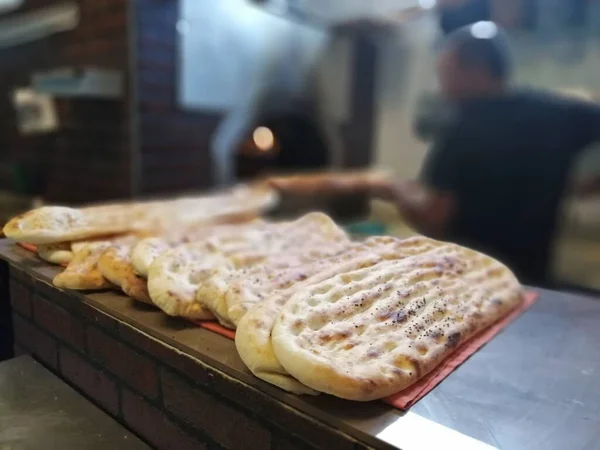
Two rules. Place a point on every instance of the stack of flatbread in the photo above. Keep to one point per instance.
(96, 243)
(374, 319)
(313, 311)
(194, 280)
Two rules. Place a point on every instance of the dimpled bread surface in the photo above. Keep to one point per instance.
(175, 275)
(253, 335)
(311, 237)
(147, 250)
(372, 332)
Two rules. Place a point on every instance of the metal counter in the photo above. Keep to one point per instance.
(535, 386)
(39, 411)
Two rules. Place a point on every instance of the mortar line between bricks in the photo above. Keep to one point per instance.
(23, 345)
(185, 426)
(157, 401)
(188, 427)
(228, 401)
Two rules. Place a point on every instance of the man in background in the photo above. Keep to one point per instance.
(499, 167)
(497, 172)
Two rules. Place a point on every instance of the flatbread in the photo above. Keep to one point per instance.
(372, 332)
(53, 224)
(82, 273)
(247, 287)
(310, 238)
(136, 287)
(329, 182)
(115, 265)
(253, 335)
(112, 261)
(147, 250)
(174, 276)
(59, 254)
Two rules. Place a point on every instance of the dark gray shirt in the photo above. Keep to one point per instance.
(507, 160)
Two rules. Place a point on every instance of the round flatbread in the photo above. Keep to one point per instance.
(260, 256)
(174, 277)
(253, 335)
(82, 272)
(372, 332)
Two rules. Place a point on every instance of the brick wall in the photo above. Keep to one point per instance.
(89, 158)
(168, 398)
(174, 151)
(144, 143)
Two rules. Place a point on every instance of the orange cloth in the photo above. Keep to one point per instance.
(216, 328)
(408, 397)
(33, 248)
(30, 247)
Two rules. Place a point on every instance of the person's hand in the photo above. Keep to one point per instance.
(330, 183)
(400, 192)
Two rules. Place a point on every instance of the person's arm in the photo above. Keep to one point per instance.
(430, 205)
(428, 211)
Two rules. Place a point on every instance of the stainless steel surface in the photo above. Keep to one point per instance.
(535, 386)
(39, 411)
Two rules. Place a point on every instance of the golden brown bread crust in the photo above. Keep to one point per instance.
(82, 272)
(373, 332)
(115, 265)
(253, 335)
(260, 256)
(52, 224)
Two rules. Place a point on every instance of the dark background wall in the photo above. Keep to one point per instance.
(143, 143)
(174, 151)
(89, 157)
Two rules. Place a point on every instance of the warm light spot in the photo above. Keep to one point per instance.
(263, 138)
(484, 30)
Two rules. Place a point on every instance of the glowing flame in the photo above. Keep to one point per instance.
(263, 139)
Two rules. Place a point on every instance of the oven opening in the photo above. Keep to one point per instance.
(288, 143)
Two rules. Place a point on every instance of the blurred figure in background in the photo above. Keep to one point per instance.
(499, 166)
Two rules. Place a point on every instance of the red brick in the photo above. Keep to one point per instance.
(227, 426)
(136, 370)
(93, 382)
(154, 426)
(262, 404)
(165, 354)
(99, 318)
(59, 322)
(20, 298)
(32, 339)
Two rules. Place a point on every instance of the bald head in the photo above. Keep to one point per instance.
(475, 61)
